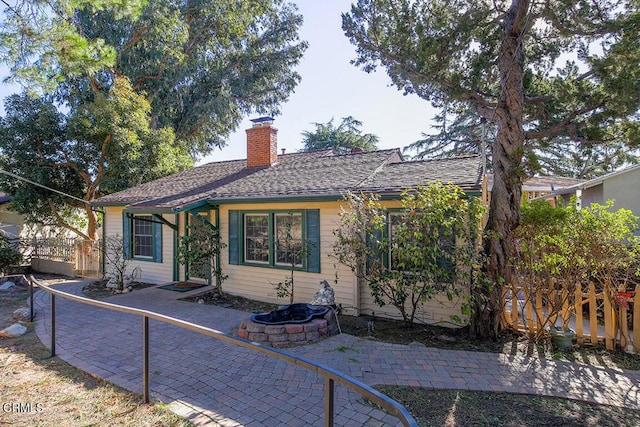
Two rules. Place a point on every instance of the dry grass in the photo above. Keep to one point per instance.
(37, 390)
(453, 408)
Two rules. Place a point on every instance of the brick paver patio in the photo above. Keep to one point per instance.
(216, 383)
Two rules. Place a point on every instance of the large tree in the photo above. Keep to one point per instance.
(344, 138)
(537, 70)
(461, 131)
(101, 146)
(203, 64)
(141, 84)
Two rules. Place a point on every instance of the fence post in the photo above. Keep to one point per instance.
(636, 320)
(593, 313)
(578, 311)
(145, 359)
(328, 402)
(31, 300)
(609, 319)
(53, 325)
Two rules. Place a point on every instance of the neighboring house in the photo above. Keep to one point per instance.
(623, 187)
(11, 223)
(254, 201)
(540, 186)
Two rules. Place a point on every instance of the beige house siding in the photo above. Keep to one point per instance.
(11, 223)
(437, 310)
(258, 282)
(151, 272)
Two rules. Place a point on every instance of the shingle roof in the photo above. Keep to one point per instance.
(463, 171)
(319, 173)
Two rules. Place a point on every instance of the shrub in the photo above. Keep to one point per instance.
(408, 255)
(557, 248)
(9, 256)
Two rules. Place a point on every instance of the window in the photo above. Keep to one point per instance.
(288, 239)
(445, 244)
(256, 234)
(142, 237)
(276, 239)
(394, 220)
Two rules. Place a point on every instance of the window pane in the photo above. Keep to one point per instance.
(143, 236)
(288, 239)
(394, 220)
(256, 235)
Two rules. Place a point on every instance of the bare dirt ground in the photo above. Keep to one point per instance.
(36, 389)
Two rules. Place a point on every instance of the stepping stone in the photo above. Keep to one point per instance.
(21, 314)
(6, 285)
(14, 330)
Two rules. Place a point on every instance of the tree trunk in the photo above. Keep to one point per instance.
(92, 224)
(507, 150)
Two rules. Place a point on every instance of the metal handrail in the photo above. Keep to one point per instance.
(330, 374)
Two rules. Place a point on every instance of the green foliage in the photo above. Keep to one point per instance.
(203, 65)
(43, 44)
(429, 247)
(342, 139)
(201, 246)
(9, 256)
(539, 71)
(558, 247)
(459, 131)
(102, 145)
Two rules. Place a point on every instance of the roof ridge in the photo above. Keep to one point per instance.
(441, 159)
(382, 165)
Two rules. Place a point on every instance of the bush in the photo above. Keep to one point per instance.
(408, 255)
(557, 248)
(9, 256)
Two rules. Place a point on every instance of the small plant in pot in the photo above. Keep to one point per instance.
(562, 338)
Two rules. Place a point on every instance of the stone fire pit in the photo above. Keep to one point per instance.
(289, 334)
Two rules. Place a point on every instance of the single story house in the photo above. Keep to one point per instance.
(537, 187)
(253, 201)
(619, 186)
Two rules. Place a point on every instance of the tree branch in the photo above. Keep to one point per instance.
(61, 222)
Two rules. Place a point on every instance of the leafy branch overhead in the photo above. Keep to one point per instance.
(202, 65)
(129, 91)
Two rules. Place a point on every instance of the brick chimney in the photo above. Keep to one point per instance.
(262, 143)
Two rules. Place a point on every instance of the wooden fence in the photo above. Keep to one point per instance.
(84, 254)
(606, 315)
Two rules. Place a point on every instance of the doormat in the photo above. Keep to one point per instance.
(182, 286)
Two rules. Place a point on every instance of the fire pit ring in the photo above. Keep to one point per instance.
(292, 313)
(290, 325)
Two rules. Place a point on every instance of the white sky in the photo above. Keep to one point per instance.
(331, 88)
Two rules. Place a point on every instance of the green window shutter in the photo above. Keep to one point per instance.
(234, 237)
(157, 242)
(313, 240)
(126, 235)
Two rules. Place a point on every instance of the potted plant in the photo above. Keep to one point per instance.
(562, 337)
